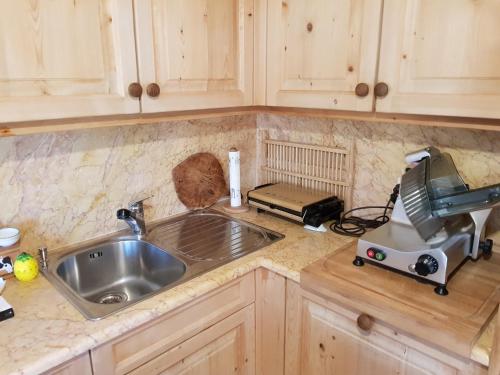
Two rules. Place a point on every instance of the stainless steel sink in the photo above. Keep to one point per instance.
(119, 271)
(107, 276)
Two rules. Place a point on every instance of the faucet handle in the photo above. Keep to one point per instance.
(138, 206)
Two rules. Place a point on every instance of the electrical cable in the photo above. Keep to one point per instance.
(356, 226)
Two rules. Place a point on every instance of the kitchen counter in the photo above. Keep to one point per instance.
(47, 330)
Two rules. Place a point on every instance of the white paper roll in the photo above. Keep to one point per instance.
(234, 177)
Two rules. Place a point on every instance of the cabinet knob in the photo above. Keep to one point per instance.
(135, 90)
(381, 90)
(365, 322)
(153, 90)
(362, 89)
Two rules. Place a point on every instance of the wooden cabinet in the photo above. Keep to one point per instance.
(199, 53)
(435, 57)
(318, 51)
(441, 57)
(65, 58)
(325, 338)
(269, 322)
(214, 334)
(77, 366)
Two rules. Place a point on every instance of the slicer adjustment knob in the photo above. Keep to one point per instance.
(426, 265)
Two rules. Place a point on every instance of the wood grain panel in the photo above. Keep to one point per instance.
(199, 52)
(269, 322)
(65, 58)
(155, 338)
(318, 51)
(323, 337)
(441, 57)
(228, 347)
(409, 305)
(77, 366)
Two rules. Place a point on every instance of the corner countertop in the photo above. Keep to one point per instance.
(47, 330)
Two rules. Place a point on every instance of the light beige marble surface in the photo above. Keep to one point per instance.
(47, 330)
(60, 188)
(379, 151)
(64, 187)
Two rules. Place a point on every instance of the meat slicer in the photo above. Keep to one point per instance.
(436, 225)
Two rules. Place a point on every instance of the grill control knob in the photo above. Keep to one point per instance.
(426, 265)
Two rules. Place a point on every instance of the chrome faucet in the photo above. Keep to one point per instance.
(134, 216)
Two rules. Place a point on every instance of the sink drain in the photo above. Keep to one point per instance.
(112, 297)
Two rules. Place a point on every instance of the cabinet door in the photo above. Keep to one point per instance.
(77, 366)
(225, 348)
(66, 58)
(441, 57)
(163, 339)
(198, 52)
(320, 50)
(324, 338)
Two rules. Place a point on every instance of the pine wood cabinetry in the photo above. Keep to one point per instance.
(435, 57)
(64, 58)
(319, 51)
(214, 334)
(198, 53)
(78, 366)
(270, 322)
(441, 57)
(326, 338)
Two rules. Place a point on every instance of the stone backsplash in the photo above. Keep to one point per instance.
(62, 188)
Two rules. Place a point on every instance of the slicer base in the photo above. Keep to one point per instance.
(441, 290)
(358, 261)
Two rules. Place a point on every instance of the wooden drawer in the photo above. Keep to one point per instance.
(324, 338)
(151, 340)
(227, 347)
(76, 366)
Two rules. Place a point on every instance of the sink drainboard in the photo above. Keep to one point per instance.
(207, 236)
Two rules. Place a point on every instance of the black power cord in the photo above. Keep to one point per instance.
(356, 226)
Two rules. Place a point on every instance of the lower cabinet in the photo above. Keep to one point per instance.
(225, 348)
(264, 324)
(76, 366)
(325, 338)
(214, 334)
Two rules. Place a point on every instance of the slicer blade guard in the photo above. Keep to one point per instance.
(433, 190)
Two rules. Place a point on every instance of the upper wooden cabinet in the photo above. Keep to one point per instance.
(441, 57)
(64, 58)
(198, 53)
(318, 51)
(74, 58)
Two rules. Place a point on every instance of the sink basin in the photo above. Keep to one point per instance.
(119, 271)
(109, 275)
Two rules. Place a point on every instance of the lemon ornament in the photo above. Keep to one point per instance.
(25, 267)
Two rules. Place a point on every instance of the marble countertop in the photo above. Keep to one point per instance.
(47, 330)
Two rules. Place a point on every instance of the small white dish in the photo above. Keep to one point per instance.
(9, 236)
(2, 285)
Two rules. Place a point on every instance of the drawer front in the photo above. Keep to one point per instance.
(323, 337)
(334, 343)
(76, 366)
(135, 348)
(227, 347)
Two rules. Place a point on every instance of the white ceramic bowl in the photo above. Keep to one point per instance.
(8, 236)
